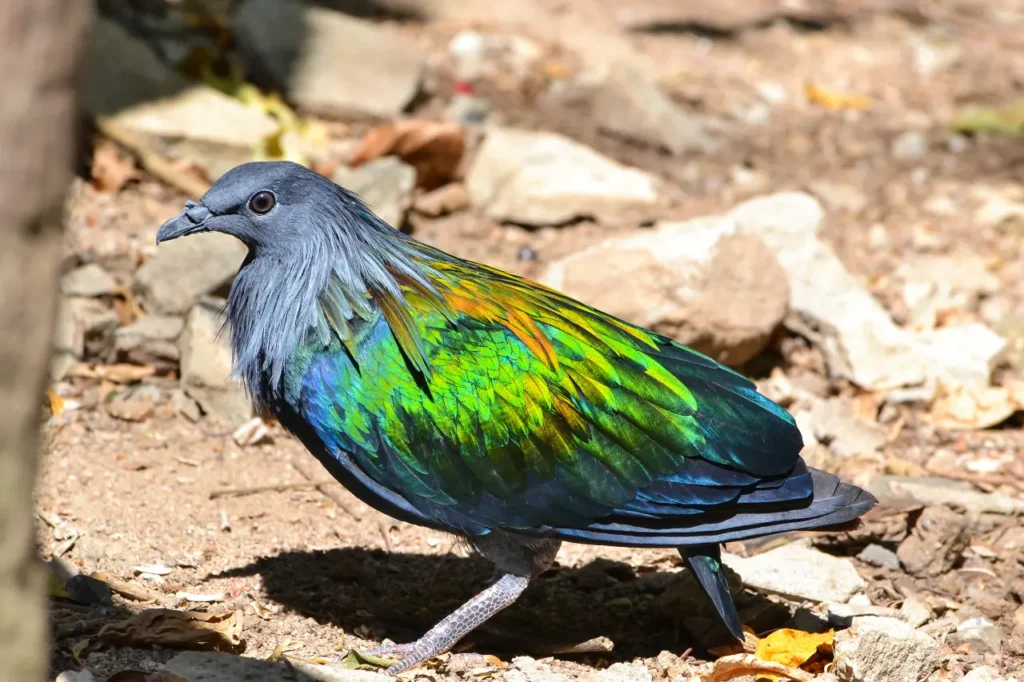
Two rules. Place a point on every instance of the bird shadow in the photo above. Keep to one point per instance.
(400, 596)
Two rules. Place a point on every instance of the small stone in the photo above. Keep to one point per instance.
(88, 281)
(542, 178)
(876, 555)
(130, 408)
(628, 105)
(844, 198)
(1015, 645)
(385, 184)
(620, 672)
(206, 364)
(185, 406)
(910, 146)
(184, 269)
(932, 284)
(915, 611)
(797, 570)
(836, 425)
(89, 591)
(842, 615)
(75, 676)
(980, 634)
(85, 327)
(450, 198)
(150, 340)
(936, 542)
(984, 674)
(326, 61)
(884, 650)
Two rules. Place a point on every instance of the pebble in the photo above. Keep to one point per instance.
(89, 281)
(797, 570)
(877, 649)
(980, 634)
(876, 555)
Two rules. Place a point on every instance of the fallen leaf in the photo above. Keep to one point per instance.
(56, 403)
(747, 664)
(111, 170)
(795, 648)
(175, 630)
(357, 660)
(433, 148)
(1005, 120)
(283, 648)
(962, 407)
(120, 373)
(834, 100)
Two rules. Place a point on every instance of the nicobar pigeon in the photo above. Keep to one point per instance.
(456, 396)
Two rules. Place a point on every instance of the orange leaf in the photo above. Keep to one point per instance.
(794, 648)
(110, 170)
(833, 99)
(434, 149)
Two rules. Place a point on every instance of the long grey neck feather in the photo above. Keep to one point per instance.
(273, 304)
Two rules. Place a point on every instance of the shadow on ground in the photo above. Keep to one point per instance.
(400, 596)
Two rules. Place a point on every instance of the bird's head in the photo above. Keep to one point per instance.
(273, 207)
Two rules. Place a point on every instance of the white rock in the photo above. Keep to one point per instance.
(385, 184)
(547, 179)
(89, 280)
(842, 615)
(724, 297)
(981, 634)
(206, 365)
(932, 283)
(327, 61)
(916, 611)
(884, 650)
(620, 672)
(846, 434)
(628, 105)
(184, 269)
(76, 676)
(965, 354)
(984, 674)
(910, 146)
(957, 494)
(797, 570)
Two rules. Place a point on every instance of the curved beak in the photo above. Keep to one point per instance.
(192, 220)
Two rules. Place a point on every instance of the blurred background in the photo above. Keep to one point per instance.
(824, 195)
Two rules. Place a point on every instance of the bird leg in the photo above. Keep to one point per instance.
(461, 622)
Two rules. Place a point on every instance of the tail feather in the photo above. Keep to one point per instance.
(833, 502)
(705, 562)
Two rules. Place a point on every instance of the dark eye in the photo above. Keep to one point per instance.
(262, 202)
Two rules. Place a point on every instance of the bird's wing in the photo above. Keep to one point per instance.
(536, 411)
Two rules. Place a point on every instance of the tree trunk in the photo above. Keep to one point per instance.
(41, 49)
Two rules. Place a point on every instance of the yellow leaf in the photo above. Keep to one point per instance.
(794, 648)
(833, 99)
(56, 403)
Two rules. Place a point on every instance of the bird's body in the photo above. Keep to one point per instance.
(459, 397)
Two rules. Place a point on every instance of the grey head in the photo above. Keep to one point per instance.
(304, 233)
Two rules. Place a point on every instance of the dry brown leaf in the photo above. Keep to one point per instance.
(833, 99)
(111, 170)
(748, 664)
(121, 373)
(796, 649)
(176, 630)
(434, 149)
(963, 407)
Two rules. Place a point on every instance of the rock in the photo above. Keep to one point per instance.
(915, 611)
(385, 184)
(184, 269)
(843, 198)
(620, 672)
(797, 570)
(937, 490)
(198, 666)
(206, 365)
(876, 555)
(76, 676)
(87, 281)
(328, 62)
(128, 83)
(932, 283)
(450, 198)
(547, 179)
(526, 669)
(884, 650)
(150, 340)
(984, 674)
(910, 146)
(842, 615)
(185, 406)
(85, 327)
(1015, 645)
(722, 297)
(836, 425)
(980, 634)
(936, 542)
(962, 355)
(628, 105)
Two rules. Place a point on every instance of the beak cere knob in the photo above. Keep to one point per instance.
(191, 221)
(197, 213)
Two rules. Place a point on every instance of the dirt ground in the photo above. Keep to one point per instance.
(317, 569)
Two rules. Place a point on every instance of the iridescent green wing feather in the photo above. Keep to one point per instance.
(495, 402)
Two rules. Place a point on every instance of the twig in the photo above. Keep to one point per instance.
(78, 627)
(129, 590)
(986, 479)
(327, 492)
(153, 162)
(274, 487)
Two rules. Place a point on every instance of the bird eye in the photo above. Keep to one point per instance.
(262, 202)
